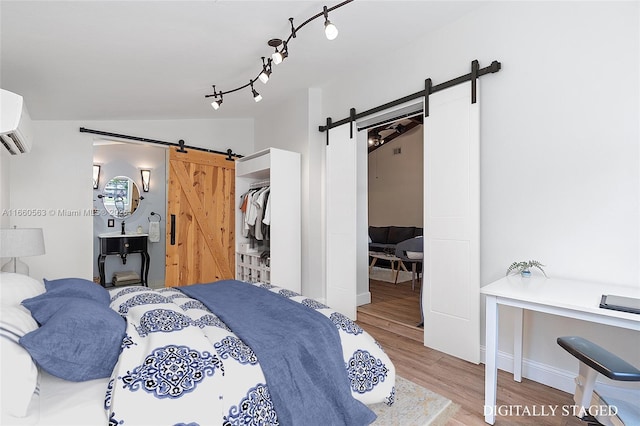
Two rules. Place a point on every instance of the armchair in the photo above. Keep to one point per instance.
(591, 406)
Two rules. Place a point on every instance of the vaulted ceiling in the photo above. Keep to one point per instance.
(78, 60)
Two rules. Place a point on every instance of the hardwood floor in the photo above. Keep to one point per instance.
(391, 319)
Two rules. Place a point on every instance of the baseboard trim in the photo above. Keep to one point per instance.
(555, 377)
(363, 298)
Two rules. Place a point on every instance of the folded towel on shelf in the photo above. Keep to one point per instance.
(154, 232)
(125, 278)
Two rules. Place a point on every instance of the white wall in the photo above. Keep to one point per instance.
(396, 180)
(292, 126)
(4, 187)
(56, 176)
(559, 143)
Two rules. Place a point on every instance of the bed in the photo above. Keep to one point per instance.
(76, 353)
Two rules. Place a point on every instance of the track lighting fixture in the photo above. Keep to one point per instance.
(256, 96)
(281, 52)
(330, 30)
(266, 71)
(277, 57)
(376, 140)
(216, 102)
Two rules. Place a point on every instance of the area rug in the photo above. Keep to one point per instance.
(384, 274)
(414, 406)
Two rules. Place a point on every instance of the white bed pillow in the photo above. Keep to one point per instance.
(14, 288)
(17, 369)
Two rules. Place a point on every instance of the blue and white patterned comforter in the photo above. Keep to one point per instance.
(181, 365)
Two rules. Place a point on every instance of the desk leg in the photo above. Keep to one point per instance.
(490, 367)
(517, 345)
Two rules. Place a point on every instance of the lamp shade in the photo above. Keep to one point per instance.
(20, 242)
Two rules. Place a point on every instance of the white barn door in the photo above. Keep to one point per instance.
(346, 219)
(451, 296)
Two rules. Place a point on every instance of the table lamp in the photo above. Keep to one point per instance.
(20, 242)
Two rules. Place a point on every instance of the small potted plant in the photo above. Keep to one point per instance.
(524, 268)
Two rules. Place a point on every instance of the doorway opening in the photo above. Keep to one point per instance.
(122, 207)
(395, 214)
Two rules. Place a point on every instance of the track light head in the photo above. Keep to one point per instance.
(276, 56)
(284, 51)
(256, 96)
(216, 102)
(330, 30)
(266, 71)
(264, 75)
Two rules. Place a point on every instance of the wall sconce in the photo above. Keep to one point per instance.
(96, 176)
(146, 177)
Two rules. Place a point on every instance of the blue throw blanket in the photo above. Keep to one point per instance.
(298, 349)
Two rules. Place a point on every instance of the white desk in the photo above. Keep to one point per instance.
(567, 298)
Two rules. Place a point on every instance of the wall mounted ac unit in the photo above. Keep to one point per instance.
(15, 123)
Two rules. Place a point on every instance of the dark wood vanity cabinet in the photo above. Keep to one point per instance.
(123, 246)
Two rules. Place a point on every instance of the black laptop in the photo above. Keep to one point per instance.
(620, 303)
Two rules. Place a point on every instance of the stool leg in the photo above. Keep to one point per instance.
(413, 276)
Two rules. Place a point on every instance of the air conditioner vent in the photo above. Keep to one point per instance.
(13, 144)
(8, 145)
(15, 124)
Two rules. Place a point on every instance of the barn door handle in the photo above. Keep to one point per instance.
(173, 229)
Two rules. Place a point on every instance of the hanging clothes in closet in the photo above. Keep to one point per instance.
(256, 213)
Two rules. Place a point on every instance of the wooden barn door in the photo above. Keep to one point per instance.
(200, 218)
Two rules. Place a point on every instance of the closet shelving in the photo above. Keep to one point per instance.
(280, 170)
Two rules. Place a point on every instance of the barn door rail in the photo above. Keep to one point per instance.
(429, 88)
(231, 156)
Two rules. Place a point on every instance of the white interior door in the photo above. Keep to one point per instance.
(451, 296)
(346, 231)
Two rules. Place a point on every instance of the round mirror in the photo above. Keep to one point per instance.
(121, 197)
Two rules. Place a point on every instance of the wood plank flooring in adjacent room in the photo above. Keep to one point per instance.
(391, 319)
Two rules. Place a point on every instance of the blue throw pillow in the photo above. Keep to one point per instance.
(80, 342)
(44, 306)
(78, 287)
